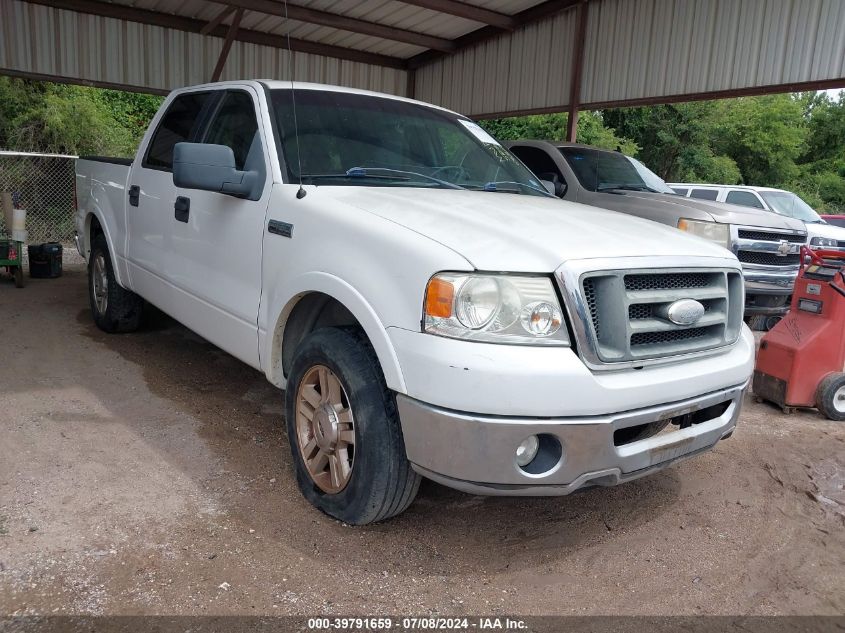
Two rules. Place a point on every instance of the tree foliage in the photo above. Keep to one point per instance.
(47, 117)
(552, 127)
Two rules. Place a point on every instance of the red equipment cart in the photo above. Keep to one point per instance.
(802, 359)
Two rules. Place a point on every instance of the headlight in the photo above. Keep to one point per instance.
(719, 233)
(494, 309)
(823, 242)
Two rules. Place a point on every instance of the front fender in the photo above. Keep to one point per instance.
(270, 341)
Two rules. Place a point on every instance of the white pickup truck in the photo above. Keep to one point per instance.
(429, 309)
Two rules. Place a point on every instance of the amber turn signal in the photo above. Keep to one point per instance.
(439, 297)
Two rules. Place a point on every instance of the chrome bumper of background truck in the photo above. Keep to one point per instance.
(476, 453)
(767, 292)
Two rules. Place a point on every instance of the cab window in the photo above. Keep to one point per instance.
(539, 162)
(234, 125)
(744, 198)
(180, 123)
(704, 194)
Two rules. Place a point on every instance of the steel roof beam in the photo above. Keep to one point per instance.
(191, 25)
(217, 21)
(468, 12)
(344, 23)
(533, 14)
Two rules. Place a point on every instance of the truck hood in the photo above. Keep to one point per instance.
(721, 212)
(521, 233)
(825, 230)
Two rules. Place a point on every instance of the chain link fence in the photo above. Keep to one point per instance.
(43, 185)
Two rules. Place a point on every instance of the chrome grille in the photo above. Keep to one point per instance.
(651, 338)
(666, 281)
(627, 311)
(756, 247)
(763, 236)
(590, 296)
(768, 259)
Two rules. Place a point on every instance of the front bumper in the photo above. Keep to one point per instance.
(476, 453)
(767, 292)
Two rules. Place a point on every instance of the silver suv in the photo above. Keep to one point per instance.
(767, 244)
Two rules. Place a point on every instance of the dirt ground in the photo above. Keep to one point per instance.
(149, 474)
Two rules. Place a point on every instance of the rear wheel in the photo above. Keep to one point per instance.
(18, 273)
(830, 397)
(114, 308)
(344, 432)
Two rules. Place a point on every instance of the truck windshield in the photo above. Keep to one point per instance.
(792, 206)
(350, 139)
(599, 170)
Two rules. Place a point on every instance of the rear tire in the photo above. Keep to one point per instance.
(342, 420)
(18, 273)
(114, 308)
(830, 397)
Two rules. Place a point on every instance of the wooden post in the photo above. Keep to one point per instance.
(577, 69)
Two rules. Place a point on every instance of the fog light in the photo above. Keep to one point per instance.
(527, 451)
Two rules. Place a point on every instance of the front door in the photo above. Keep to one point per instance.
(214, 259)
(149, 210)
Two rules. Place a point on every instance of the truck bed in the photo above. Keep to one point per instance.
(101, 189)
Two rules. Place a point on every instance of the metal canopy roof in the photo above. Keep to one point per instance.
(481, 57)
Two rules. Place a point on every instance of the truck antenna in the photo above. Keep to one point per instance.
(300, 193)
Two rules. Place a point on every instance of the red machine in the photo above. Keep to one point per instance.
(801, 360)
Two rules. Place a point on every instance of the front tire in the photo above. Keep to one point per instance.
(114, 308)
(344, 431)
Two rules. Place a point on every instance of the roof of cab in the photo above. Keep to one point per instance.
(276, 84)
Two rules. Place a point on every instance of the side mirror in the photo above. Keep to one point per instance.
(549, 185)
(211, 168)
(557, 187)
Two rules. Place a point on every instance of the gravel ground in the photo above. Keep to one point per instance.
(149, 474)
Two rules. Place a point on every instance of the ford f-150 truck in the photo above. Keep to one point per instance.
(767, 245)
(417, 293)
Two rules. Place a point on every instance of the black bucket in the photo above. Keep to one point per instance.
(45, 260)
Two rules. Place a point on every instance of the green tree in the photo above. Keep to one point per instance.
(552, 127)
(46, 117)
(674, 140)
(763, 135)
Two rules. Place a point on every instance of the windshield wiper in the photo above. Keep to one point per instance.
(383, 173)
(494, 186)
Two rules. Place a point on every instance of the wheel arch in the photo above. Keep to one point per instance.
(323, 300)
(95, 225)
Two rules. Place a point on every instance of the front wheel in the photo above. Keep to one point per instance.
(344, 431)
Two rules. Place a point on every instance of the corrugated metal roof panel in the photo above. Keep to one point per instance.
(43, 40)
(533, 62)
(666, 47)
(638, 49)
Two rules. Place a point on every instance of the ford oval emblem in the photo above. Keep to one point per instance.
(685, 312)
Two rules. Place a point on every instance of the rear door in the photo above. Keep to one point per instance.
(214, 261)
(151, 193)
